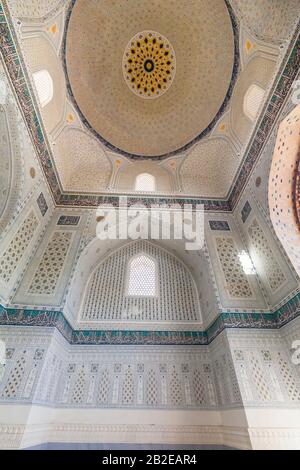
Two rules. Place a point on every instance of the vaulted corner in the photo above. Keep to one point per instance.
(149, 224)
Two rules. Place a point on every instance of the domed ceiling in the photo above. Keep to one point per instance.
(150, 78)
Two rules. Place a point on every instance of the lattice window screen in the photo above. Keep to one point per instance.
(289, 379)
(253, 101)
(128, 388)
(151, 388)
(44, 86)
(145, 183)
(103, 387)
(142, 277)
(79, 388)
(258, 375)
(199, 389)
(175, 388)
(15, 378)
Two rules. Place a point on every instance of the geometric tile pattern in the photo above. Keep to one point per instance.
(48, 272)
(157, 377)
(15, 379)
(289, 378)
(266, 375)
(237, 283)
(13, 254)
(264, 255)
(115, 380)
(259, 379)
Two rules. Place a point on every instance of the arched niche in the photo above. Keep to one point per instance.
(107, 254)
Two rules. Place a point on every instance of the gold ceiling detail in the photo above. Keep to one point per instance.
(149, 64)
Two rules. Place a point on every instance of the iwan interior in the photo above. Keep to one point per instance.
(112, 334)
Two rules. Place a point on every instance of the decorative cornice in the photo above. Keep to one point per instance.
(16, 69)
(15, 436)
(51, 319)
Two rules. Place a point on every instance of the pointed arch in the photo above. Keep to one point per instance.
(44, 86)
(104, 297)
(145, 182)
(253, 100)
(142, 276)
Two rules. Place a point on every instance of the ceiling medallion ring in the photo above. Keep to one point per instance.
(149, 64)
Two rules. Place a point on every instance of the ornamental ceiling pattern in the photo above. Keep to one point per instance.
(200, 37)
(11, 53)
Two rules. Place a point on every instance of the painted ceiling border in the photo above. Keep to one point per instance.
(16, 69)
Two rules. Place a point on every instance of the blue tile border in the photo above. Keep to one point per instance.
(226, 320)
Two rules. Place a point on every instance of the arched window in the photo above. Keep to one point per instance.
(145, 183)
(142, 277)
(44, 86)
(253, 100)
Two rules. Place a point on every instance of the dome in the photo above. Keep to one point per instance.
(172, 53)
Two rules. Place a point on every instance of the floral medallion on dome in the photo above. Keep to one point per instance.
(149, 64)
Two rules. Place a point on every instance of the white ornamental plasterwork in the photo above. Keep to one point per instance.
(49, 270)
(237, 283)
